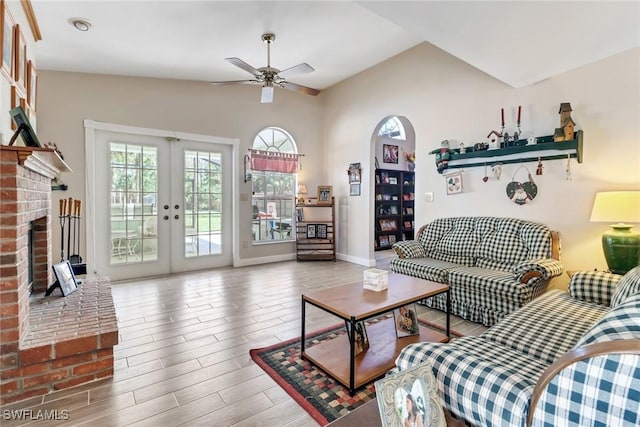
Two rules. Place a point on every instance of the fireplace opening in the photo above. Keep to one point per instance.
(32, 256)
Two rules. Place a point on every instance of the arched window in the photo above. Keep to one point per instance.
(392, 128)
(273, 187)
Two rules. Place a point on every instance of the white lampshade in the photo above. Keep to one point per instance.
(302, 189)
(616, 206)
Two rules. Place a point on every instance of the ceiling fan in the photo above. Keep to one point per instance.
(270, 77)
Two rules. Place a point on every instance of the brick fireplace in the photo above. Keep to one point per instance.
(46, 343)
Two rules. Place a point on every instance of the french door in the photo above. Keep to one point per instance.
(161, 204)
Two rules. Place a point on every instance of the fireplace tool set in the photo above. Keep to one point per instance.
(70, 215)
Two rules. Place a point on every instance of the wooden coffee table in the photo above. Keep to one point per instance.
(353, 303)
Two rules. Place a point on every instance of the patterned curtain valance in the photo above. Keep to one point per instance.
(274, 162)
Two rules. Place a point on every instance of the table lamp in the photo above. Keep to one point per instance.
(621, 245)
(302, 189)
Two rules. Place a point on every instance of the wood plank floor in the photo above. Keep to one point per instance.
(183, 356)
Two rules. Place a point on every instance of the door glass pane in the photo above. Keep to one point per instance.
(134, 191)
(202, 203)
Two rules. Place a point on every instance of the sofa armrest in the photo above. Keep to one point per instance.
(409, 249)
(563, 387)
(540, 269)
(593, 286)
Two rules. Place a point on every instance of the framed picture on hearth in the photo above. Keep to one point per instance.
(66, 278)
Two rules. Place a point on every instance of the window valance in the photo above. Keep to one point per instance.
(274, 162)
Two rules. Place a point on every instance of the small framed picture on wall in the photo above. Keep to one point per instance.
(6, 41)
(20, 58)
(389, 153)
(454, 183)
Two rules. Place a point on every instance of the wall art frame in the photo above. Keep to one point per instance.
(390, 153)
(454, 183)
(6, 41)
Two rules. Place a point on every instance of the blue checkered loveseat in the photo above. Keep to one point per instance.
(573, 357)
(492, 265)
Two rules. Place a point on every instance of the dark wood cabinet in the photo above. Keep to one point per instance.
(394, 207)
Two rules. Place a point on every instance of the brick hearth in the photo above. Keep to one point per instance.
(46, 343)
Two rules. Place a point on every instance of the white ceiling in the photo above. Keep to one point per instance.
(517, 42)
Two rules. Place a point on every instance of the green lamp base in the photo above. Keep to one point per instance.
(621, 248)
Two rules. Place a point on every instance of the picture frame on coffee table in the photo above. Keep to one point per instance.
(406, 321)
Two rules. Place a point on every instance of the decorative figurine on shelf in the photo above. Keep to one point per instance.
(494, 140)
(532, 140)
(539, 168)
(566, 129)
(443, 154)
(462, 148)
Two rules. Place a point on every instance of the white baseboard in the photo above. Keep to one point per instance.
(356, 260)
(263, 260)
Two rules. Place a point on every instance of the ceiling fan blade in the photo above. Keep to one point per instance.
(298, 69)
(267, 94)
(241, 64)
(236, 82)
(299, 88)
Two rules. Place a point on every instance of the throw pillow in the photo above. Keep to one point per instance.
(627, 286)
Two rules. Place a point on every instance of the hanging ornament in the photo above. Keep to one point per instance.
(522, 193)
(486, 178)
(539, 169)
(568, 167)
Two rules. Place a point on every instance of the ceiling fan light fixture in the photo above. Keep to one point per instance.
(267, 94)
(80, 24)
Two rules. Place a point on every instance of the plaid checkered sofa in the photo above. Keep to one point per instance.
(492, 265)
(574, 357)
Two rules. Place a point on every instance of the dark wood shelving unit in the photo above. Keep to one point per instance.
(544, 149)
(394, 207)
(319, 247)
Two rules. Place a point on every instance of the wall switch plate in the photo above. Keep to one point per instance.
(428, 197)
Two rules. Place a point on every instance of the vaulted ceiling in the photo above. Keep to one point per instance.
(517, 42)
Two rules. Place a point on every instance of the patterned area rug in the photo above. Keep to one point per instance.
(320, 395)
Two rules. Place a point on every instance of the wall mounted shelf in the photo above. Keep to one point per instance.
(545, 149)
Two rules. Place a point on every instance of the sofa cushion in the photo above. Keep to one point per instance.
(628, 285)
(593, 286)
(507, 241)
(424, 268)
(489, 288)
(458, 244)
(479, 381)
(432, 232)
(547, 327)
(620, 323)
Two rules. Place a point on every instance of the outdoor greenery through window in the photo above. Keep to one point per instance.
(273, 192)
(134, 216)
